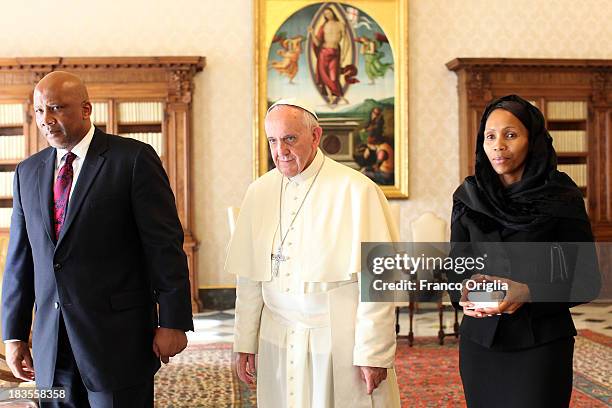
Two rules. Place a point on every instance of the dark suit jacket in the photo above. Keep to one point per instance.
(534, 323)
(119, 255)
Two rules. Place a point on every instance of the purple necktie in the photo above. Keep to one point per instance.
(61, 193)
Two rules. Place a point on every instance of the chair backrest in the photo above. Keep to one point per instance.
(428, 227)
(232, 217)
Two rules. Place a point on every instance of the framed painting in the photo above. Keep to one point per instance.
(349, 60)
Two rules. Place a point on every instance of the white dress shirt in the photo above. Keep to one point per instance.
(80, 150)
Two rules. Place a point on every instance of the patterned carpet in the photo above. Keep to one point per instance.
(202, 376)
(428, 375)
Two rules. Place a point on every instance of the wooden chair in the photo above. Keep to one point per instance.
(428, 228)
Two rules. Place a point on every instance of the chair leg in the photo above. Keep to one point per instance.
(397, 325)
(441, 320)
(456, 325)
(411, 315)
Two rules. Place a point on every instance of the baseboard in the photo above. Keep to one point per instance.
(217, 298)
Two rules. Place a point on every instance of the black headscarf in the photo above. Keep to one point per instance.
(541, 194)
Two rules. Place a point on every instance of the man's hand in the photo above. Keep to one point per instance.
(168, 343)
(246, 368)
(19, 360)
(373, 376)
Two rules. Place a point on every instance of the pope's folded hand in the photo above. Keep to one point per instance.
(245, 367)
(373, 376)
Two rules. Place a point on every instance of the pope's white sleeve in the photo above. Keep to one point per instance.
(249, 303)
(375, 335)
(375, 321)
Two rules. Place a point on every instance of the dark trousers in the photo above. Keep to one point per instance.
(68, 377)
(536, 377)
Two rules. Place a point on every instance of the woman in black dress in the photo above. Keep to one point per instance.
(518, 354)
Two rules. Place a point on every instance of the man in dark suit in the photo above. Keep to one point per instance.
(96, 248)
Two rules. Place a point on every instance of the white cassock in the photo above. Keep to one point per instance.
(307, 325)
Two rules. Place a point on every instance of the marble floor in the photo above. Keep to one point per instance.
(218, 326)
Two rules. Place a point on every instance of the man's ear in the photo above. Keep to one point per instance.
(317, 132)
(86, 108)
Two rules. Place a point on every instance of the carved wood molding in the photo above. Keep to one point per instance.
(95, 69)
(55, 63)
(180, 86)
(483, 76)
(478, 86)
(531, 63)
(602, 89)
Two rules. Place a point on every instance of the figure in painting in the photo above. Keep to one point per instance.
(370, 49)
(291, 49)
(375, 125)
(326, 43)
(376, 156)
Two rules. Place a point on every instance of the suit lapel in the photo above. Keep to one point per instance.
(46, 172)
(91, 166)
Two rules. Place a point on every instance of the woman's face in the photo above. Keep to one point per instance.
(506, 144)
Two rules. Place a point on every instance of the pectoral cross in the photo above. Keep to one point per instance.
(277, 258)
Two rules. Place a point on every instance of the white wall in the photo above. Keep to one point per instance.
(222, 31)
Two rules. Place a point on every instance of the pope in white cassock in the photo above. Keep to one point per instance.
(296, 255)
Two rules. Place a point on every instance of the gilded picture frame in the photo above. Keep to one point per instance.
(349, 60)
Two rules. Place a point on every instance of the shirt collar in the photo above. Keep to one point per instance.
(80, 149)
(311, 170)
